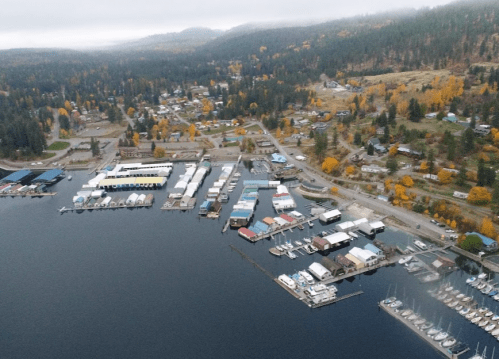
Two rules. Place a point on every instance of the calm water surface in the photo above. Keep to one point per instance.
(144, 283)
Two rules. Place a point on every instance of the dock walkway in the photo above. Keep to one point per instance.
(41, 194)
(261, 236)
(421, 334)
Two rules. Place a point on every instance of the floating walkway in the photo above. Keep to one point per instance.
(41, 194)
(86, 208)
(435, 345)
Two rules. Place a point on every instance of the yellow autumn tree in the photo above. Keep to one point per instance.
(67, 106)
(394, 149)
(445, 177)
(207, 106)
(388, 184)
(479, 195)
(136, 139)
(62, 112)
(407, 181)
(334, 190)
(330, 164)
(423, 167)
(487, 228)
(159, 152)
(130, 112)
(453, 224)
(192, 131)
(350, 170)
(400, 192)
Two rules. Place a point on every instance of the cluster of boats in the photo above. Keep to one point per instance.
(233, 183)
(483, 285)
(316, 293)
(414, 265)
(435, 332)
(464, 305)
(287, 248)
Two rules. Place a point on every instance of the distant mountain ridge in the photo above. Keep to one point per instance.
(182, 41)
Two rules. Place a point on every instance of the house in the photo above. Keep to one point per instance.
(488, 244)
(431, 115)
(460, 195)
(380, 149)
(343, 113)
(377, 251)
(481, 131)
(319, 271)
(347, 264)
(380, 131)
(365, 256)
(443, 264)
(431, 177)
(452, 119)
(334, 267)
(373, 141)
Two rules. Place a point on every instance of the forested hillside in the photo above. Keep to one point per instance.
(265, 70)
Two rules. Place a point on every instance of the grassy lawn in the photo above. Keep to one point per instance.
(254, 128)
(219, 130)
(47, 155)
(431, 125)
(58, 145)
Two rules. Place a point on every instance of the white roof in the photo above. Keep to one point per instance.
(280, 221)
(336, 238)
(331, 214)
(282, 189)
(377, 224)
(319, 270)
(296, 214)
(132, 198)
(362, 254)
(287, 281)
(359, 221)
(139, 198)
(106, 201)
(181, 184)
(345, 225)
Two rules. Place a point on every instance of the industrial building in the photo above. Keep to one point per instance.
(330, 216)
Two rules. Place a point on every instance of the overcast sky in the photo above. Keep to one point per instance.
(78, 24)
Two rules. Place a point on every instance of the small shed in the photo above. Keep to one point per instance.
(330, 216)
(321, 244)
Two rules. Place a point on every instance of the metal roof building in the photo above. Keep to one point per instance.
(49, 176)
(17, 176)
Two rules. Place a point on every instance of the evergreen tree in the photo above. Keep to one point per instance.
(320, 146)
(357, 139)
(386, 136)
(153, 146)
(467, 141)
(461, 176)
(335, 138)
(370, 150)
(392, 113)
(94, 147)
(392, 165)
(431, 161)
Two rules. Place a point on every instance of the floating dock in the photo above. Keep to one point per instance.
(172, 204)
(41, 194)
(86, 208)
(290, 227)
(435, 345)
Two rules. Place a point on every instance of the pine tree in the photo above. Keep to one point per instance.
(461, 176)
(153, 146)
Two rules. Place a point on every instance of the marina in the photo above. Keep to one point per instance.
(421, 334)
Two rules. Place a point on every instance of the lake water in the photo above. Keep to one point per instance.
(146, 283)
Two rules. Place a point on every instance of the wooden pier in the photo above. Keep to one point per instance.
(85, 208)
(282, 229)
(41, 194)
(421, 334)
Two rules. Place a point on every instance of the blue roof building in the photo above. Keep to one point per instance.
(17, 176)
(371, 247)
(49, 176)
(277, 158)
(488, 243)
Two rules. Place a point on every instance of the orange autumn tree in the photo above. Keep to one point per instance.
(330, 164)
(487, 228)
(407, 181)
(444, 176)
(350, 170)
(479, 196)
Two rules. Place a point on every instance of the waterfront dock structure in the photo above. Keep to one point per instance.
(91, 208)
(421, 334)
(50, 176)
(17, 177)
(285, 226)
(30, 194)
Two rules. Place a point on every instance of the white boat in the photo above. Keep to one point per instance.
(405, 260)
(487, 289)
(426, 326)
(307, 276)
(453, 304)
(389, 300)
(441, 336)
(433, 331)
(449, 288)
(442, 297)
(419, 322)
(406, 313)
(483, 310)
(490, 327)
(455, 292)
(413, 317)
(481, 286)
(489, 314)
(310, 223)
(482, 276)
(470, 280)
(395, 304)
(496, 297)
(459, 296)
(420, 245)
(471, 315)
(307, 240)
(495, 317)
(70, 178)
(495, 332)
(298, 243)
(447, 343)
(314, 248)
(353, 235)
(476, 320)
(466, 299)
(458, 308)
(483, 323)
(447, 300)
(279, 248)
(464, 311)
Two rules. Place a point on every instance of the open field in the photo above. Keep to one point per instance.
(416, 78)
(58, 145)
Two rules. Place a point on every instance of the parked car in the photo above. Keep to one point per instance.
(433, 221)
(450, 231)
